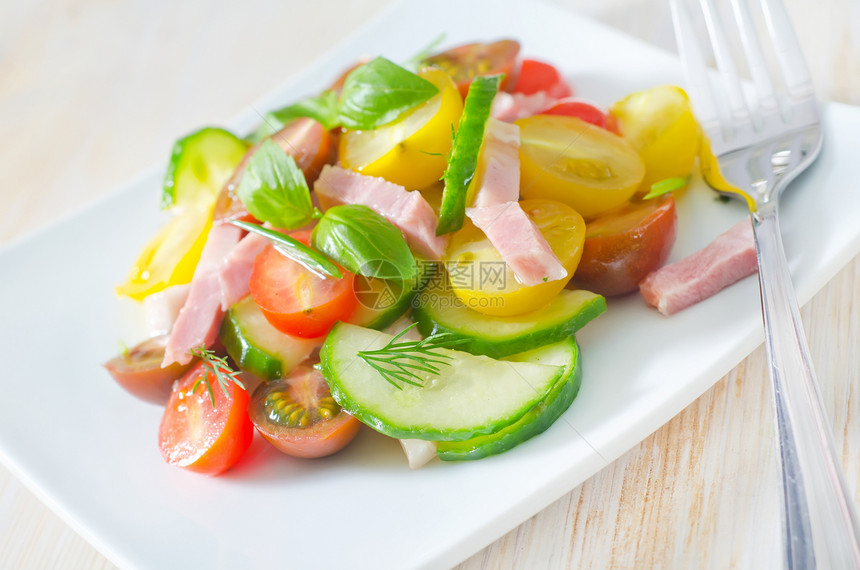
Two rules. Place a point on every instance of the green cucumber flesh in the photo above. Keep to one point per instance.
(464, 152)
(536, 420)
(258, 347)
(441, 311)
(200, 164)
(473, 395)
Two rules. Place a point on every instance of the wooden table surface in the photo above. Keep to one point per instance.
(92, 92)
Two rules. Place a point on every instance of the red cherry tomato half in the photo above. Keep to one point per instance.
(536, 76)
(297, 301)
(624, 246)
(298, 415)
(571, 107)
(198, 436)
(464, 63)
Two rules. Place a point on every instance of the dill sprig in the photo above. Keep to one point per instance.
(400, 362)
(217, 366)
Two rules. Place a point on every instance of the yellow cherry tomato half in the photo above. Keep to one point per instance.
(566, 159)
(171, 256)
(484, 282)
(659, 123)
(411, 150)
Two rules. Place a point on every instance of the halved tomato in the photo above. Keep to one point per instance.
(464, 63)
(536, 76)
(571, 107)
(139, 370)
(298, 415)
(198, 436)
(484, 282)
(569, 160)
(296, 300)
(306, 140)
(660, 125)
(624, 246)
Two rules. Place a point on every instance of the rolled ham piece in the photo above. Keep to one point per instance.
(509, 107)
(497, 176)
(727, 259)
(200, 317)
(161, 309)
(235, 273)
(407, 210)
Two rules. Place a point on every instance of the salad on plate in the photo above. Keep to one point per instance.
(411, 250)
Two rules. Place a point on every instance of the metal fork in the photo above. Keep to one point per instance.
(757, 148)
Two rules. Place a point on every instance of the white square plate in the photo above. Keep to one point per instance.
(89, 449)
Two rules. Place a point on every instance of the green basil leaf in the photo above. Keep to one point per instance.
(323, 109)
(290, 247)
(364, 242)
(464, 152)
(274, 189)
(378, 92)
(666, 186)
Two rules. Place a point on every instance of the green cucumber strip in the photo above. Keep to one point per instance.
(258, 347)
(441, 311)
(200, 164)
(465, 150)
(536, 420)
(473, 395)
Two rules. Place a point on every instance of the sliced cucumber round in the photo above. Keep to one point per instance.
(471, 395)
(200, 164)
(258, 347)
(536, 420)
(441, 311)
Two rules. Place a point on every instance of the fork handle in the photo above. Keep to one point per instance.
(820, 527)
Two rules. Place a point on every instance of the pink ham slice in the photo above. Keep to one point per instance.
(234, 274)
(498, 173)
(509, 107)
(519, 242)
(200, 316)
(408, 211)
(161, 309)
(497, 213)
(727, 259)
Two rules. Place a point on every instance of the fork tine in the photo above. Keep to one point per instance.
(798, 81)
(758, 67)
(696, 71)
(725, 63)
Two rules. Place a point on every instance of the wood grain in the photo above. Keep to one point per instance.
(92, 92)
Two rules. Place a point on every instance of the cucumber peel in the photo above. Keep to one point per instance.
(200, 164)
(464, 152)
(258, 347)
(441, 311)
(538, 419)
(470, 396)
